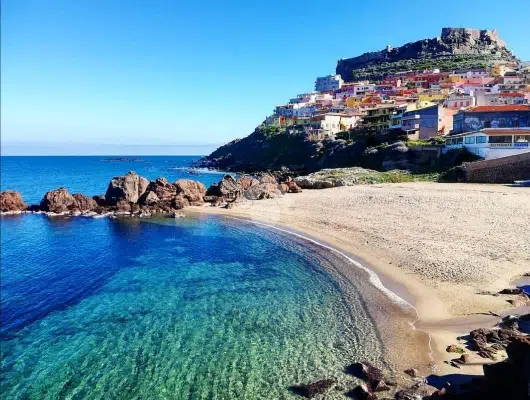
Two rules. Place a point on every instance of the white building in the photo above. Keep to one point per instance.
(361, 90)
(471, 73)
(327, 83)
(459, 101)
(333, 123)
(492, 143)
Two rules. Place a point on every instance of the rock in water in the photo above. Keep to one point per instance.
(193, 191)
(164, 190)
(142, 185)
(58, 201)
(361, 392)
(11, 200)
(123, 188)
(311, 390)
(84, 203)
(148, 199)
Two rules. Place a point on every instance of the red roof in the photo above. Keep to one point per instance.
(514, 107)
(511, 94)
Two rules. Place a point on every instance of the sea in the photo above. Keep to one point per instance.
(203, 307)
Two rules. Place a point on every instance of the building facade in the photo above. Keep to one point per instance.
(480, 117)
(428, 122)
(492, 143)
(328, 83)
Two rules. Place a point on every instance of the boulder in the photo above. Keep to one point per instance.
(228, 189)
(100, 200)
(123, 188)
(262, 191)
(84, 203)
(148, 199)
(311, 390)
(518, 351)
(268, 178)
(58, 201)
(365, 371)
(143, 183)
(11, 200)
(283, 187)
(293, 187)
(511, 291)
(412, 372)
(164, 190)
(193, 191)
(361, 392)
(247, 181)
(179, 202)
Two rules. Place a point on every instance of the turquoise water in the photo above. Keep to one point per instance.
(199, 308)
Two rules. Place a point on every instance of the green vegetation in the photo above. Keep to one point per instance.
(362, 176)
(444, 63)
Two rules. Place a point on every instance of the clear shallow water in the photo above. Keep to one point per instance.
(90, 175)
(201, 308)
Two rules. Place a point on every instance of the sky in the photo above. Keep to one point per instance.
(108, 76)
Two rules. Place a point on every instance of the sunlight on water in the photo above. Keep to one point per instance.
(197, 309)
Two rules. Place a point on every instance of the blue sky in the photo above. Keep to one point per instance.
(89, 76)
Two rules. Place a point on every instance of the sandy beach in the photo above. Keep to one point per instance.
(436, 245)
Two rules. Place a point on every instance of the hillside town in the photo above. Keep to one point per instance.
(486, 110)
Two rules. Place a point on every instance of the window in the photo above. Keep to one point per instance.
(500, 139)
(522, 138)
(482, 139)
(459, 140)
(469, 140)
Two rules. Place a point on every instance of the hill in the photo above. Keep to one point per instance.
(456, 48)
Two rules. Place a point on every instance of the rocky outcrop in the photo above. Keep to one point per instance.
(192, 191)
(164, 190)
(11, 201)
(126, 188)
(58, 201)
(84, 203)
(455, 48)
(246, 181)
(227, 189)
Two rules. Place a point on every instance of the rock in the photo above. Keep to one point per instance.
(511, 291)
(193, 191)
(365, 371)
(464, 358)
(84, 203)
(228, 189)
(164, 190)
(293, 187)
(177, 215)
(262, 191)
(412, 372)
(179, 202)
(247, 181)
(283, 187)
(143, 183)
(519, 301)
(455, 349)
(148, 199)
(123, 188)
(518, 351)
(361, 392)
(379, 386)
(11, 200)
(311, 390)
(58, 201)
(100, 200)
(407, 395)
(268, 178)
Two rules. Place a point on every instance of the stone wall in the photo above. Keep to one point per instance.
(499, 170)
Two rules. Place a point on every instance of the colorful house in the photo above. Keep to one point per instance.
(480, 117)
(428, 122)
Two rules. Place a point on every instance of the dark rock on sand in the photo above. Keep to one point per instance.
(11, 200)
(311, 390)
(228, 189)
(58, 201)
(511, 291)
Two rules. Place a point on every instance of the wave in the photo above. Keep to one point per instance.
(198, 171)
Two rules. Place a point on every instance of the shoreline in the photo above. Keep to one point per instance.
(435, 316)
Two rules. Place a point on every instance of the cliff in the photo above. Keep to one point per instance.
(455, 48)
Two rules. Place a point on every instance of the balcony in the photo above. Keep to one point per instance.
(411, 117)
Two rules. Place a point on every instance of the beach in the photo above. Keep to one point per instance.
(436, 245)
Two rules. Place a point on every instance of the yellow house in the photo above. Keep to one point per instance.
(431, 97)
